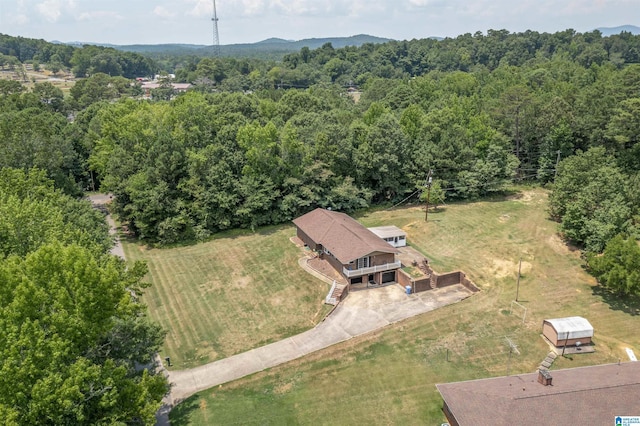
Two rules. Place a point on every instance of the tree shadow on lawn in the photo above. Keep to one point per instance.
(627, 304)
(181, 413)
(230, 234)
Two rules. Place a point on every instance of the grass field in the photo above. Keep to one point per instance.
(231, 294)
(389, 377)
(62, 81)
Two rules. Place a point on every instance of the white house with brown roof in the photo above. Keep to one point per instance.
(353, 250)
(577, 396)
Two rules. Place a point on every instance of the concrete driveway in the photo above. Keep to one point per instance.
(361, 312)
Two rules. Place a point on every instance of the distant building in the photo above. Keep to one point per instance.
(178, 87)
(577, 396)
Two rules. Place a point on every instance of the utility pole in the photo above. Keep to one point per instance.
(518, 282)
(428, 183)
(557, 162)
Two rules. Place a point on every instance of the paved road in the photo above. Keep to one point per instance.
(360, 313)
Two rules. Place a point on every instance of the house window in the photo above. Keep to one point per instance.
(363, 262)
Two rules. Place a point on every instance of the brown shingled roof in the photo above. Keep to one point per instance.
(342, 235)
(586, 395)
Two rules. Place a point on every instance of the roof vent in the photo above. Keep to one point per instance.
(544, 377)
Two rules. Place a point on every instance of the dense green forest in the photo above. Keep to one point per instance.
(260, 142)
(83, 61)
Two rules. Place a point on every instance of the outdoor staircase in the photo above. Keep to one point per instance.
(548, 361)
(424, 267)
(335, 294)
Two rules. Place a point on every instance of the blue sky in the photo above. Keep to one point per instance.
(246, 21)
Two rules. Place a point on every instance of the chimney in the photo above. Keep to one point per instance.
(544, 377)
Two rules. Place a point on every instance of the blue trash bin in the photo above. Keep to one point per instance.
(408, 289)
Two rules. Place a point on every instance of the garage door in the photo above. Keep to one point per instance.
(388, 277)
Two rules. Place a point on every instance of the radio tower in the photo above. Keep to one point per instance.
(216, 39)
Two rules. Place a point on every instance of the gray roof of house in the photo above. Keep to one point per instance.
(578, 396)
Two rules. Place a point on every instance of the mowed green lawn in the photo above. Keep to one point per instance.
(389, 377)
(236, 292)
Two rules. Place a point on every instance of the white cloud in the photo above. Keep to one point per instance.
(298, 7)
(99, 15)
(252, 7)
(199, 8)
(51, 10)
(425, 3)
(20, 19)
(227, 9)
(163, 12)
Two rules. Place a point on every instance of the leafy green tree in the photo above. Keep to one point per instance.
(50, 95)
(624, 127)
(590, 199)
(379, 156)
(164, 92)
(72, 339)
(33, 137)
(436, 194)
(624, 131)
(9, 87)
(33, 213)
(618, 267)
(262, 151)
(96, 88)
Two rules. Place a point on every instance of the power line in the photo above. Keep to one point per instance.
(397, 204)
(459, 187)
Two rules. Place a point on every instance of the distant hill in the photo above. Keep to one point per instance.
(271, 48)
(172, 48)
(607, 31)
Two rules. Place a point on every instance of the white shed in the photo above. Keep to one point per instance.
(568, 331)
(391, 234)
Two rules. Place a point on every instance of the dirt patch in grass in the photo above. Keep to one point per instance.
(283, 388)
(524, 196)
(501, 268)
(558, 245)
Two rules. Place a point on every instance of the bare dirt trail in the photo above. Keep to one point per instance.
(101, 202)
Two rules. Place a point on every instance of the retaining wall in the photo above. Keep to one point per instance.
(434, 280)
